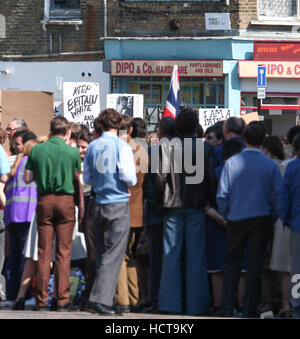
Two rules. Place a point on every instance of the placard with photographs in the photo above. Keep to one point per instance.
(130, 104)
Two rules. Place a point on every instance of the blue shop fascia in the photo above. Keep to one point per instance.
(209, 75)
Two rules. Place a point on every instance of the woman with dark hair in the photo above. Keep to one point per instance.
(166, 128)
(289, 149)
(199, 131)
(278, 250)
(139, 128)
(273, 148)
(84, 139)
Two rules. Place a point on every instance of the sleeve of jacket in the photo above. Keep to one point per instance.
(224, 192)
(277, 181)
(284, 203)
(210, 174)
(159, 182)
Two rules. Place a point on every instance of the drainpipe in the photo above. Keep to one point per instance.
(105, 18)
(46, 10)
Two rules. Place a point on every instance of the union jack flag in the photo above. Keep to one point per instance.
(173, 100)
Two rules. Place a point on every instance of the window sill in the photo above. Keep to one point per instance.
(61, 22)
(275, 23)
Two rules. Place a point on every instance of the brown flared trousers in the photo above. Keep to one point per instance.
(55, 215)
(127, 288)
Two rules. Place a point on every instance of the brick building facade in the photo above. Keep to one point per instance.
(155, 18)
(30, 34)
(156, 30)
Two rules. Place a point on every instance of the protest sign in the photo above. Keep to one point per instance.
(208, 117)
(253, 116)
(58, 108)
(81, 102)
(130, 104)
(35, 107)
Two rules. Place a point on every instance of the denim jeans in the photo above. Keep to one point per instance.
(184, 285)
(17, 234)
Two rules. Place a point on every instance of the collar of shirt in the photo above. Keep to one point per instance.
(57, 139)
(109, 134)
(252, 149)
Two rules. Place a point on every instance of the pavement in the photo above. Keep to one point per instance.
(7, 313)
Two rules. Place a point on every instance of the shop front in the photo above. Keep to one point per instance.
(201, 83)
(208, 74)
(281, 107)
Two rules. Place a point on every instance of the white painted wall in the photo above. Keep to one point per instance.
(41, 76)
(273, 85)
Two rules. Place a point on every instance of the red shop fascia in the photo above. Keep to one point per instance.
(282, 61)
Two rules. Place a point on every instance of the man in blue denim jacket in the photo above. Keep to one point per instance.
(289, 210)
(249, 185)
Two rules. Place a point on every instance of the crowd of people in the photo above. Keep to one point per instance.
(180, 221)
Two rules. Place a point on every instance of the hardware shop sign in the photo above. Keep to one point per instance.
(163, 68)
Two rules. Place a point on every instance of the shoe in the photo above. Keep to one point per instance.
(19, 305)
(119, 311)
(63, 308)
(122, 309)
(9, 303)
(30, 302)
(83, 305)
(149, 308)
(53, 305)
(216, 311)
(284, 313)
(39, 308)
(139, 308)
(262, 308)
(154, 311)
(238, 311)
(100, 309)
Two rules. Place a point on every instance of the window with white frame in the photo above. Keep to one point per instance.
(278, 9)
(62, 9)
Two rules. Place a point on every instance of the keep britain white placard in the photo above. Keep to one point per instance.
(81, 102)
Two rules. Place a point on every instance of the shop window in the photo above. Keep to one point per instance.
(62, 9)
(281, 101)
(249, 103)
(194, 92)
(152, 94)
(274, 9)
(272, 103)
